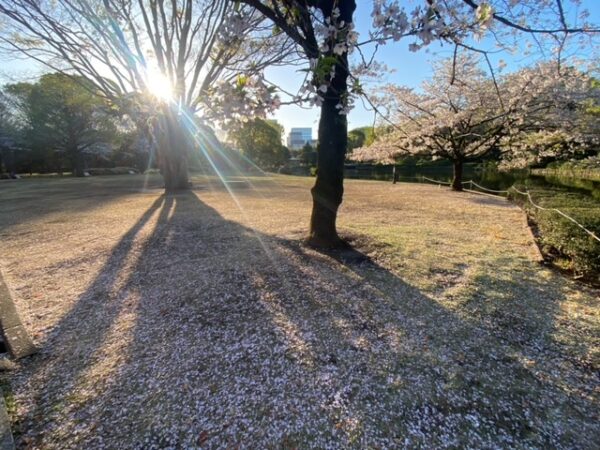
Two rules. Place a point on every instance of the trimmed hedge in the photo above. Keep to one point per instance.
(570, 247)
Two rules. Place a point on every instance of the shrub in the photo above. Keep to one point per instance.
(112, 171)
(569, 246)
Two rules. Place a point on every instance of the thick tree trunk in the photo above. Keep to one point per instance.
(329, 185)
(174, 170)
(328, 190)
(172, 152)
(458, 173)
(394, 175)
(77, 163)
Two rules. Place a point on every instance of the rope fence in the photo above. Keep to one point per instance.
(526, 194)
(472, 183)
(435, 181)
(542, 208)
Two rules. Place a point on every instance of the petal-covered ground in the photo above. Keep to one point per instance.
(200, 320)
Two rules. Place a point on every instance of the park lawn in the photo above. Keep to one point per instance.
(201, 320)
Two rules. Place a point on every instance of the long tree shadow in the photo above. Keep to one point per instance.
(68, 349)
(207, 333)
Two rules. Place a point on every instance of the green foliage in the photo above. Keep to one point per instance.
(260, 141)
(308, 155)
(241, 82)
(132, 149)
(8, 137)
(359, 137)
(62, 118)
(324, 67)
(484, 13)
(571, 247)
(356, 139)
(584, 170)
(593, 105)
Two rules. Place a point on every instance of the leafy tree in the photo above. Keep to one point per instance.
(63, 115)
(8, 136)
(593, 104)
(260, 141)
(356, 139)
(359, 137)
(133, 149)
(308, 155)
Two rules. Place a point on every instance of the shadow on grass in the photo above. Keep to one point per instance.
(208, 333)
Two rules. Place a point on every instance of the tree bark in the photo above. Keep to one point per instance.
(173, 142)
(328, 190)
(458, 173)
(394, 175)
(77, 163)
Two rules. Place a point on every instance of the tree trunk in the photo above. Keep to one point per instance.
(328, 190)
(458, 173)
(329, 184)
(11, 163)
(173, 142)
(394, 175)
(77, 163)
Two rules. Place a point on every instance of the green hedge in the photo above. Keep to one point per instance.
(570, 247)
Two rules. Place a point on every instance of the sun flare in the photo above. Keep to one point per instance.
(159, 85)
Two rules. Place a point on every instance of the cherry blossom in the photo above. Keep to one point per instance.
(462, 115)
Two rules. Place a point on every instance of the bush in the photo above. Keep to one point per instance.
(584, 169)
(569, 246)
(112, 171)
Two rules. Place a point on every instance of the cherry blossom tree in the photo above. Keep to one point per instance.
(323, 32)
(461, 115)
(325, 39)
(562, 126)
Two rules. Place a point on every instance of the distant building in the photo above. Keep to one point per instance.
(299, 137)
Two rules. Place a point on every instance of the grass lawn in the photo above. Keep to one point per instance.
(201, 320)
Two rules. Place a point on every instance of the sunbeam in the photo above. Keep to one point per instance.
(158, 85)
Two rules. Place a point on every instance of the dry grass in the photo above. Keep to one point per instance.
(199, 321)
